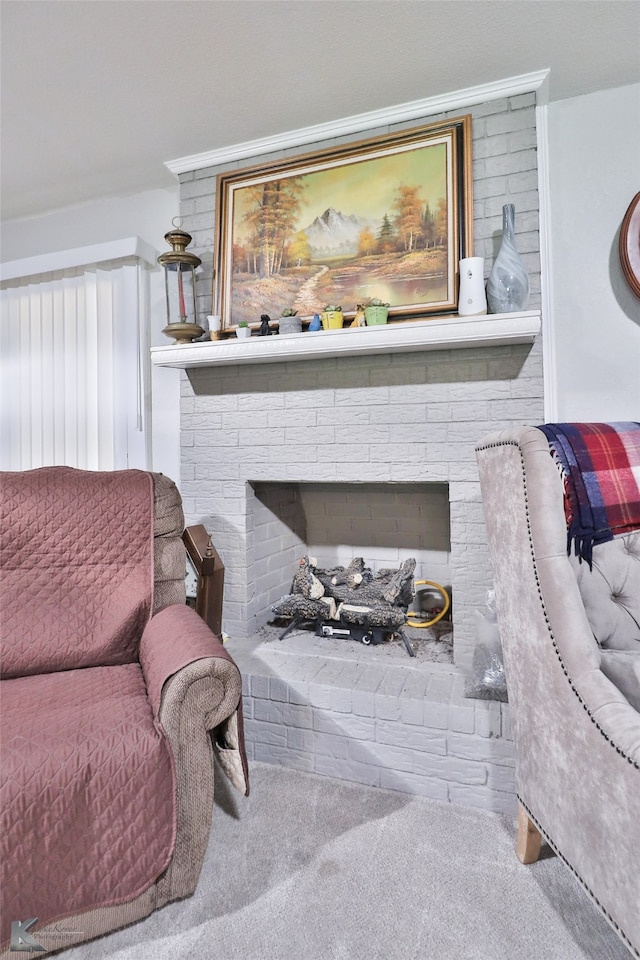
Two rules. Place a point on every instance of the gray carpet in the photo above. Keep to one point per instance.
(309, 868)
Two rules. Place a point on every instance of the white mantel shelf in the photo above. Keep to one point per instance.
(501, 329)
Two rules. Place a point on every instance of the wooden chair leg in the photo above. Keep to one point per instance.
(529, 839)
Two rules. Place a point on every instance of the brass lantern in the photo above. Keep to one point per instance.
(180, 285)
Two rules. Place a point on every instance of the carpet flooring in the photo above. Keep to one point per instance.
(310, 868)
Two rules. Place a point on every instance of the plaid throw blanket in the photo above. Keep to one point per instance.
(601, 468)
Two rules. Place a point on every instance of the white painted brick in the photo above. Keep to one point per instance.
(350, 725)
(412, 711)
(506, 728)
(289, 714)
(493, 750)
(461, 719)
(491, 147)
(284, 757)
(372, 397)
(414, 412)
(347, 770)
(259, 732)
(193, 188)
(522, 182)
(472, 796)
(381, 755)
(296, 739)
(363, 703)
(278, 690)
(322, 744)
(259, 687)
(493, 186)
(298, 692)
(202, 204)
(490, 108)
(414, 784)
(387, 707)
(508, 164)
(330, 697)
(307, 398)
(521, 139)
(336, 416)
(501, 778)
(396, 734)
(436, 715)
(465, 771)
(522, 100)
(510, 121)
(487, 718)
(440, 686)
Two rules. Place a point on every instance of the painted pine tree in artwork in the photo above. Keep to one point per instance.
(386, 235)
(428, 226)
(441, 228)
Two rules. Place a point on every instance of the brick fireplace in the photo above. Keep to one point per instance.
(332, 426)
(371, 456)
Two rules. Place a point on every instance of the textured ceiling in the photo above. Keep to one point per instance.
(98, 94)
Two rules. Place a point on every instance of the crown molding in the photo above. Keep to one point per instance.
(415, 109)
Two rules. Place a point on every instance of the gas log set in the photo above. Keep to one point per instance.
(351, 602)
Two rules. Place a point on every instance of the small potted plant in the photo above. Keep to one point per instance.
(332, 317)
(243, 330)
(290, 322)
(375, 312)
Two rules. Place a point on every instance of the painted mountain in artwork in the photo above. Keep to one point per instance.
(335, 234)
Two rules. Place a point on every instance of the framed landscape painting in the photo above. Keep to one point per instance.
(387, 218)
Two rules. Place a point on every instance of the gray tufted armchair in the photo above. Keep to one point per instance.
(571, 641)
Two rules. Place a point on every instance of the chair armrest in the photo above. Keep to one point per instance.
(175, 637)
(188, 671)
(195, 692)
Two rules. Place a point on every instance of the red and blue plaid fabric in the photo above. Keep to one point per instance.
(601, 467)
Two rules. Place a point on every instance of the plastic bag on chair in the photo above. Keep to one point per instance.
(487, 679)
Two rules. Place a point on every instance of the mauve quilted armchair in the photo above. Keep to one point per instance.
(571, 643)
(115, 697)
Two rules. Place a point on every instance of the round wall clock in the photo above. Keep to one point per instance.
(630, 245)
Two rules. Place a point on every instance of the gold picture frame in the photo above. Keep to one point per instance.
(388, 217)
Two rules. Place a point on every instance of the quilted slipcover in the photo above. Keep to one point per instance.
(76, 553)
(87, 795)
(87, 790)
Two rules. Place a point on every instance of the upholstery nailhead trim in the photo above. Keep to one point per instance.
(634, 763)
(586, 887)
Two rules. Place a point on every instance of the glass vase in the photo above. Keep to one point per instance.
(508, 284)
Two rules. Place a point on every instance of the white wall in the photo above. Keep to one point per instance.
(594, 162)
(147, 215)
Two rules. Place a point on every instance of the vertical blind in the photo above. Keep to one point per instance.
(74, 365)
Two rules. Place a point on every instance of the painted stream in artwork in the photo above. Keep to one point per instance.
(351, 287)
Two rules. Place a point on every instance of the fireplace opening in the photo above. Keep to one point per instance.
(384, 523)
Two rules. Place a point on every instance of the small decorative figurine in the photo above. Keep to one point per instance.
(265, 330)
(359, 319)
(315, 324)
